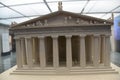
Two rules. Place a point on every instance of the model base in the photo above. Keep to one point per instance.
(64, 71)
(109, 76)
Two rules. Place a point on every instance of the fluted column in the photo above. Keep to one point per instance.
(82, 51)
(99, 49)
(29, 51)
(68, 51)
(92, 48)
(107, 51)
(55, 52)
(18, 52)
(23, 51)
(103, 49)
(42, 54)
(96, 53)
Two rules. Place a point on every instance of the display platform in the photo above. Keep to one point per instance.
(7, 76)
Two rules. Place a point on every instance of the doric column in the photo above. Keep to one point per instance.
(68, 51)
(42, 54)
(107, 51)
(82, 51)
(33, 50)
(18, 52)
(103, 49)
(92, 48)
(99, 47)
(29, 51)
(23, 51)
(55, 52)
(96, 53)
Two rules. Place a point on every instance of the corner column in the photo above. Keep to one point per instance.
(55, 52)
(42, 52)
(29, 51)
(68, 51)
(107, 51)
(82, 51)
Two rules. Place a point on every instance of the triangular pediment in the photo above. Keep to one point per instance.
(61, 18)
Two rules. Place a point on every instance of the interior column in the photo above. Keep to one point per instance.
(96, 53)
(22, 51)
(68, 51)
(82, 51)
(18, 52)
(103, 57)
(42, 52)
(29, 52)
(55, 52)
(99, 49)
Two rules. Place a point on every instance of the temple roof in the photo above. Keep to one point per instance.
(65, 16)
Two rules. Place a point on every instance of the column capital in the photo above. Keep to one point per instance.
(102, 35)
(107, 35)
(16, 38)
(68, 36)
(41, 37)
(96, 35)
(22, 38)
(27, 37)
(54, 36)
(82, 35)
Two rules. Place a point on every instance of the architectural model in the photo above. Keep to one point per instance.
(63, 43)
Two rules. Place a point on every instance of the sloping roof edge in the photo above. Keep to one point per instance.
(60, 12)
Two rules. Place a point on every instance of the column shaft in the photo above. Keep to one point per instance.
(68, 51)
(29, 52)
(103, 49)
(99, 48)
(27, 60)
(92, 49)
(22, 51)
(96, 49)
(42, 52)
(107, 51)
(55, 52)
(18, 53)
(82, 51)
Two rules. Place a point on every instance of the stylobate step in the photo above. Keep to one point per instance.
(64, 71)
(73, 73)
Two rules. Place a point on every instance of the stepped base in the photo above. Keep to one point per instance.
(64, 71)
(110, 76)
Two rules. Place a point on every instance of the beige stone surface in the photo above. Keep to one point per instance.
(51, 46)
(6, 76)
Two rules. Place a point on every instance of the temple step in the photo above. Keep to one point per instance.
(64, 71)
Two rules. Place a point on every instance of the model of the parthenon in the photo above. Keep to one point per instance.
(63, 43)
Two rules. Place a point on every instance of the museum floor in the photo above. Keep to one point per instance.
(9, 61)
